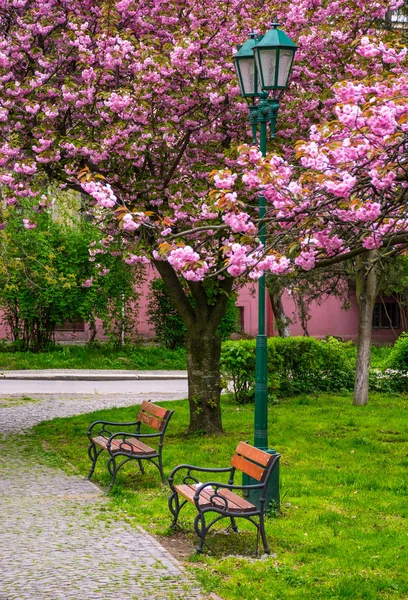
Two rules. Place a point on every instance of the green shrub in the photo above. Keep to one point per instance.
(388, 381)
(238, 368)
(295, 365)
(168, 325)
(398, 358)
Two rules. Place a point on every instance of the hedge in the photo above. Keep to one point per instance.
(295, 365)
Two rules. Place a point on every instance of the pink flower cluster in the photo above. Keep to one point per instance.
(134, 259)
(185, 260)
(102, 193)
(240, 222)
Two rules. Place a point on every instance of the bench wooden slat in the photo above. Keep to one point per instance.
(259, 456)
(140, 445)
(243, 504)
(235, 503)
(131, 445)
(100, 440)
(137, 446)
(188, 492)
(248, 467)
(157, 411)
(150, 420)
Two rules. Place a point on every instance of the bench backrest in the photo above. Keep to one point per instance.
(154, 416)
(252, 461)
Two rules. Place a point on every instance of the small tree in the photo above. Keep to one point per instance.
(46, 272)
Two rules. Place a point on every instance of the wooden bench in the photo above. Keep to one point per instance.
(130, 444)
(221, 498)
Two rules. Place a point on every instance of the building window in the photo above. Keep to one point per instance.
(241, 322)
(71, 325)
(387, 315)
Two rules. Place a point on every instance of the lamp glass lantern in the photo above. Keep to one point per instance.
(245, 66)
(274, 55)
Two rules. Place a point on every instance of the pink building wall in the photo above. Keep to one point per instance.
(329, 318)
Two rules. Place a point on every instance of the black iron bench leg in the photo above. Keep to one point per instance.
(234, 525)
(159, 465)
(141, 467)
(113, 469)
(93, 457)
(175, 508)
(263, 534)
(201, 530)
(161, 468)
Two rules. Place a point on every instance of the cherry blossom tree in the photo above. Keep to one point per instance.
(346, 196)
(133, 104)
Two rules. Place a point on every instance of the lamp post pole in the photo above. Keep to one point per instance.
(261, 373)
(263, 65)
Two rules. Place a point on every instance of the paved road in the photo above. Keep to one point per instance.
(45, 386)
(57, 541)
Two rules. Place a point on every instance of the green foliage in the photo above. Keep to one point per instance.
(42, 272)
(94, 356)
(295, 365)
(169, 326)
(388, 380)
(238, 368)
(398, 358)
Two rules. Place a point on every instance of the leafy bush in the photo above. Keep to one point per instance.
(238, 368)
(168, 325)
(398, 358)
(388, 380)
(295, 365)
(46, 276)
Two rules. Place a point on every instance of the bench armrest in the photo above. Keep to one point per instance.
(103, 423)
(189, 477)
(125, 434)
(215, 486)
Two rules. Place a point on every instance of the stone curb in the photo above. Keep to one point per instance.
(91, 376)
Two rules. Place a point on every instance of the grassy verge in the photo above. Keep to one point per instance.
(343, 528)
(146, 357)
(101, 356)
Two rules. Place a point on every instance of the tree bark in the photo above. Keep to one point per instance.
(203, 346)
(204, 389)
(367, 282)
(281, 320)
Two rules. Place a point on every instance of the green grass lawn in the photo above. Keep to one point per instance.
(342, 532)
(132, 356)
(100, 356)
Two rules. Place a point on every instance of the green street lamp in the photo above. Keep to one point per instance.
(263, 66)
(274, 55)
(248, 77)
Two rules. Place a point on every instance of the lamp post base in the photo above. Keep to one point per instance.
(272, 490)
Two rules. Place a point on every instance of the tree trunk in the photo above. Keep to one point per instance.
(366, 291)
(281, 320)
(203, 345)
(303, 311)
(204, 389)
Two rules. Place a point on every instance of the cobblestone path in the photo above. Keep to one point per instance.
(19, 414)
(58, 542)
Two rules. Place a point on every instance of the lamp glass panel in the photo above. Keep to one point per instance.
(267, 66)
(285, 63)
(247, 69)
